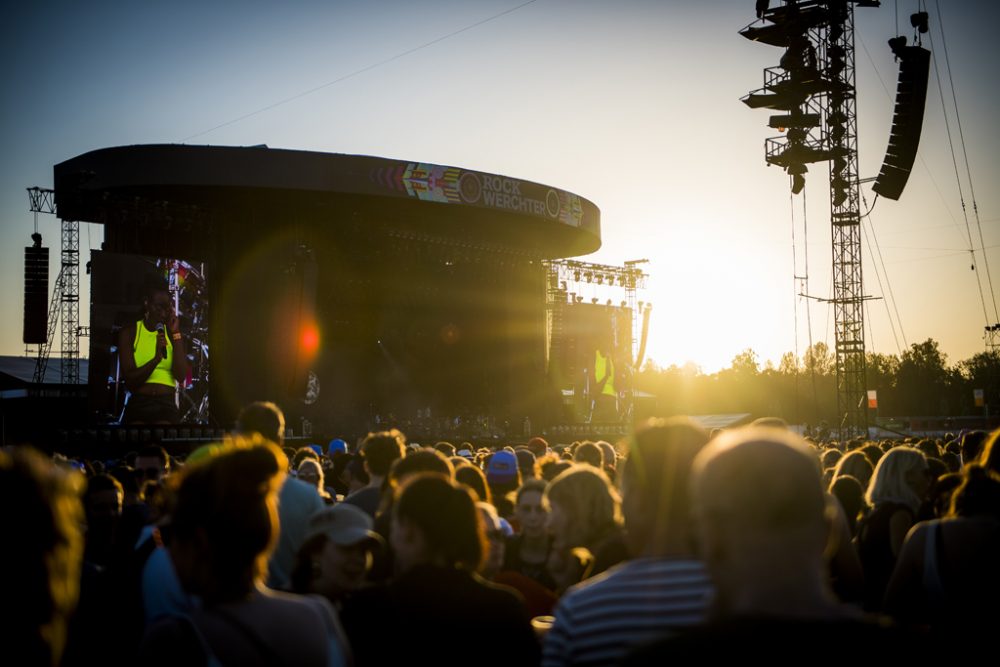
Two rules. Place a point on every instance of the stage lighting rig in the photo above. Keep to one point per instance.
(814, 86)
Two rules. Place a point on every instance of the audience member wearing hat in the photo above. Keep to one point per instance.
(337, 553)
(503, 477)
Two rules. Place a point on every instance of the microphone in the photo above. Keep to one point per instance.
(160, 331)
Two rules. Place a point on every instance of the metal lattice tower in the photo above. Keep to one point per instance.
(840, 129)
(64, 308)
(70, 300)
(814, 85)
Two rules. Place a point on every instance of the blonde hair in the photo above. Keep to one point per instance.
(888, 483)
(592, 504)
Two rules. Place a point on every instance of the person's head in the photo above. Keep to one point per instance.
(151, 464)
(529, 510)
(474, 478)
(526, 463)
(355, 476)
(446, 448)
(830, 457)
(610, 455)
(928, 447)
(423, 460)
(303, 453)
(264, 418)
(336, 446)
(337, 552)
(901, 476)
(873, 452)
(655, 479)
(502, 473)
(590, 454)
(538, 446)
(496, 540)
(760, 511)
(157, 304)
(851, 496)
(103, 499)
(225, 518)
(311, 472)
(973, 444)
(855, 464)
(942, 492)
(553, 467)
(435, 521)
(583, 507)
(380, 450)
(41, 515)
(990, 457)
(978, 494)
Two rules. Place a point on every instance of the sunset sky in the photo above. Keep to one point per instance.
(632, 105)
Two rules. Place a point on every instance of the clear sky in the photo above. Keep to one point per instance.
(633, 105)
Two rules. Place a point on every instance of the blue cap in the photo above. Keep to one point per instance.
(502, 468)
(336, 445)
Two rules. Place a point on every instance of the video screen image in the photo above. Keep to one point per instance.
(149, 351)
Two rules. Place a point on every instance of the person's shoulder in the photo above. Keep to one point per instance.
(172, 640)
(780, 639)
(295, 490)
(128, 330)
(639, 574)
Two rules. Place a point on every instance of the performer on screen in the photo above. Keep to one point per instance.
(604, 395)
(153, 359)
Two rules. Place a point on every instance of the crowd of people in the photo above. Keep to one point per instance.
(675, 542)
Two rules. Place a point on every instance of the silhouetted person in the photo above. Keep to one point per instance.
(664, 586)
(40, 516)
(764, 525)
(153, 359)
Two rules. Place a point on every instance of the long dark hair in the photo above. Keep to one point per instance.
(445, 512)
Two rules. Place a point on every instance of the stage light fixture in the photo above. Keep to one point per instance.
(589, 276)
(594, 301)
(839, 197)
(897, 44)
(608, 302)
(641, 304)
(624, 304)
(798, 183)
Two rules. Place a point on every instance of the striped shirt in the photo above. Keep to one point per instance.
(599, 620)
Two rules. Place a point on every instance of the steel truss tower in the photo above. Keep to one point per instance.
(845, 218)
(814, 85)
(65, 304)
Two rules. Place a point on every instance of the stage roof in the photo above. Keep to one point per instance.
(262, 186)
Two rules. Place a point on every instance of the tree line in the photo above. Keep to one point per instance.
(919, 382)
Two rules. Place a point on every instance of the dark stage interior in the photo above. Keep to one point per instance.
(356, 292)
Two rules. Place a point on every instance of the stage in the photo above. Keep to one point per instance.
(356, 292)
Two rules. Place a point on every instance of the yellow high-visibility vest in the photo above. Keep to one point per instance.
(603, 365)
(144, 349)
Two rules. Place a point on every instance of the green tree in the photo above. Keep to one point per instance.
(980, 371)
(789, 364)
(922, 380)
(746, 362)
(818, 359)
